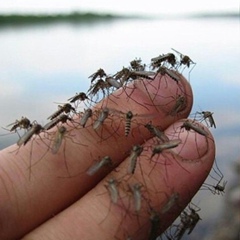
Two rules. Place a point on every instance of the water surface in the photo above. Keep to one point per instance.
(42, 64)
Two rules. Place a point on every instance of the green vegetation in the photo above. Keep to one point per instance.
(75, 17)
(216, 15)
(81, 17)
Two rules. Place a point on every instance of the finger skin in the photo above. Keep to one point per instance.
(174, 171)
(26, 203)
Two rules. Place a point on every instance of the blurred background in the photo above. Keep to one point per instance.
(48, 50)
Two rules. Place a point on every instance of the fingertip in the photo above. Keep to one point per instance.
(197, 143)
(194, 157)
(171, 97)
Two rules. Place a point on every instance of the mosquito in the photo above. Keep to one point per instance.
(129, 116)
(179, 105)
(23, 123)
(170, 203)
(173, 75)
(67, 108)
(107, 130)
(188, 221)
(100, 73)
(143, 74)
(137, 65)
(184, 59)
(160, 148)
(126, 74)
(57, 142)
(137, 196)
(129, 121)
(135, 153)
(123, 75)
(183, 226)
(104, 113)
(194, 216)
(100, 85)
(219, 189)
(157, 61)
(63, 118)
(104, 162)
(166, 145)
(197, 131)
(113, 82)
(208, 116)
(156, 132)
(188, 125)
(112, 188)
(86, 115)
(79, 97)
(35, 129)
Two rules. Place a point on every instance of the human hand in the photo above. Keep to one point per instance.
(51, 206)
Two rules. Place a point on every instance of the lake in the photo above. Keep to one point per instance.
(44, 64)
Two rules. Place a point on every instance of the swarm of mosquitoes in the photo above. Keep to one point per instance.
(101, 86)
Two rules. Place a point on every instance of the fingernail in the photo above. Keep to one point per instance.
(195, 143)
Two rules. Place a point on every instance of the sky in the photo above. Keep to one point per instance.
(123, 6)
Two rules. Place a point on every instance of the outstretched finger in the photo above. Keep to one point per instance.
(164, 184)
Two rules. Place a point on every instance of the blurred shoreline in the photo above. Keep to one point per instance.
(83, 17)
(74, 17)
